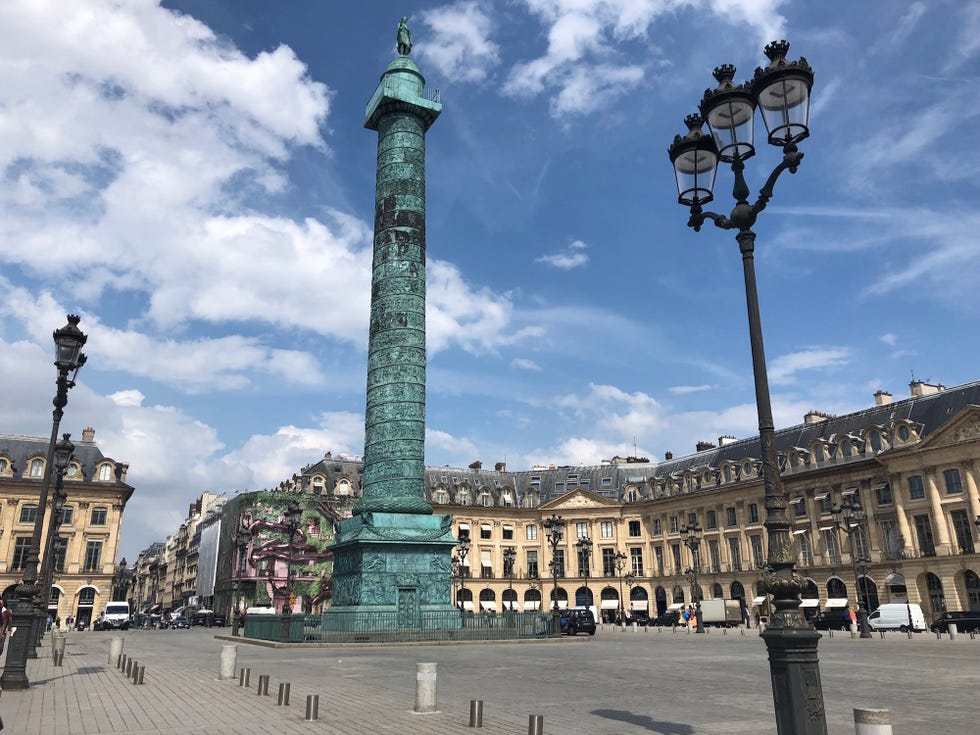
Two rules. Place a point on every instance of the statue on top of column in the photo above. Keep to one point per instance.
(404, 38)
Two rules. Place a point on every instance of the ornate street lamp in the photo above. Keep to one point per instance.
(292, 518)
(850, 518)
(584, 548)
(510, 556)
(63, 453)
(620, 558)
(69, 359)
(630, 578)
(555, 531)
(463, 549)
(782, 92)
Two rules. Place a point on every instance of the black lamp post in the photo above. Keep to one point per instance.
(555, 529)
(63, 452)
(692, 540)
(292, 519)
(782, 91)
(620, 558)
(584, 548)
(630, 578)
(463, 551)
(68, 359)
(510, 556)
(242, 537)
(850, 518)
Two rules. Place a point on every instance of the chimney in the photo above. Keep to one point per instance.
(476, 465)
(668, 455)
(500, 467)
(919, 388)
(727, 439)
(815, 417)
(882, 398)
(88, 434)
(702, 446)
(123, 469)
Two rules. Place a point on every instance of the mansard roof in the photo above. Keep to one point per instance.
(20, 449)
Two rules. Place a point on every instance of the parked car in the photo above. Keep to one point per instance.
(202, 617)
(836, 618)
(641, 617)
(180, 621)
(668, 619)
(218, 619)
(965, 622)
(576, 620)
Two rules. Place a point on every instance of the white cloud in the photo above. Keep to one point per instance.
(449, 444)
(459, 46)
(784, 368)
(889, 339)
(525, 364)
(574, 256)
(682, 390)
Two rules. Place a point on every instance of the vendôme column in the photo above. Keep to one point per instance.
(393, 555)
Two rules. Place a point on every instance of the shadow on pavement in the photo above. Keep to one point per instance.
(646, 722)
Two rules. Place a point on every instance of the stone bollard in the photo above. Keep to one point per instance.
(263, 688)
(58, 648)
(476, 713)
(229, 656)
(953, 630)
(283, 699)
(59, 658)
(872, 722)
(243, 678)
(115, 648)
(312, 707)
(535, 725)
(425, 687)
(138, 672)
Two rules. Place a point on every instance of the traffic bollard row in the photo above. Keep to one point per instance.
(263, 688)
(243, 677)
(535, 725)
(312, 707)
(476, 713)
(138, 671)
(283, 698)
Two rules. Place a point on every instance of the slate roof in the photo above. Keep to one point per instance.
(19, 449)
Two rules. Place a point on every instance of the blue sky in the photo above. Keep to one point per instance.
(194, 179)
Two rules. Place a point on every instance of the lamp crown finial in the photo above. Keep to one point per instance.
(694, 121)
(776, 51)
(724, 74)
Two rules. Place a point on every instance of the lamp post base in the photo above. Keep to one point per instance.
(795, 672)
(287, 616)
(863, 624)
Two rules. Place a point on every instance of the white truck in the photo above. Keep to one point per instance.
(114, 617)
(721, 613)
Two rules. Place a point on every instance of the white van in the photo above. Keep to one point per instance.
(114, 617)
(901, 616)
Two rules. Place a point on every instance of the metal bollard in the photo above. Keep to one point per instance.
(909, 633)
(872, 722)
(243, 677)
(263, 688)
(59, 657)
(138, 674)
(119, 661)
(535, 725)
(476, 713)
(229, 654)
(742, 632)
(122, 662)
(115, 647)
(129, 667)
(312, 707)
(425, 687)
(830, 632)
(939, 635)
(952, 630)
(283, 699)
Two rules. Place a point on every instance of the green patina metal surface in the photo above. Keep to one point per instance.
(392, 556)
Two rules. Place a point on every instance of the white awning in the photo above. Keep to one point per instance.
(464, 527)
(836, 602)
(895, 579)
(610, 604)
(510, 605)
(810, 602)
(468, 605)
(799, 531)
(826, 528)
(758, 600)
(848, 491)
(488, 605)
(485, 527)
(638, 605)
(797, 499)
(676, 606)
(821, 496)
(508, 527)
(532, 604)
(562, 604)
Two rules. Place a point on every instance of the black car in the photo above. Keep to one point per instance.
(667, 619)
(218, 619)
(641, 617)
(179, 621)
(833, 619)
(965, 622)
(576, 620)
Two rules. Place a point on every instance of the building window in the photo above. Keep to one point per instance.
(658, 555)
(673, 524)
(485, 500)
(634, 529)
(964, 534)
(800, 508)
(581, 530)
(318, 485)
(485, 531)
(833, 546)
(730, 518)
(22, 544)
(105, 472)
(28, 513)
(441, 496)
(883, 494)
(758, 558)
(954, 485)
(675, 552)
(606, 529)
(60, 552)
(559, 488)
(711, 519)
(609, 562)
(636, 561)
(923, 530)
(753, 513)
(558, 563)
(531, 532)
(657, 527)
(583, 563)
(532, 564)
(508, 533)
(67, 515)
(606, 482)
(734, 553)
(99, 516)
(714, 555)
(916, 489)
(37, 468)
(806, 549)
(93, 556)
